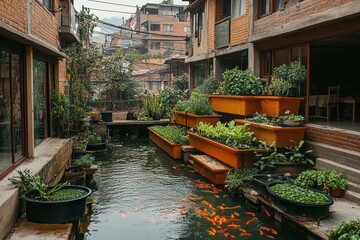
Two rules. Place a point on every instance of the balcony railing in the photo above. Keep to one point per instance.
(70, 24)
(222, 33)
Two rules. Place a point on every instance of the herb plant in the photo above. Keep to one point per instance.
(335, 179)
(198, 104)
(295, 155)
(261, 118)
(239, 82)
(311, 178)
(152, 108)
(346, 231)
(269, 158)
(174, 134)
(277, 87)
(94, 138)
(84, 160)
(293, 117)
(238, 181)
(299, 194)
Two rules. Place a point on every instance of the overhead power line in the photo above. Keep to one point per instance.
(104, 10)
(117, 4)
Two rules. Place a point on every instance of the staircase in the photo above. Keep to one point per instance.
(347, 161)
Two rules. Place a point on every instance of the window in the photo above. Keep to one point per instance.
(154, 27)
(198, 19)
(238, 7)
(264, 7)
(155, 45)
(168, 45)
(154, 85)
(227, 8)
(186, 29)
(199, 74)
(47, 4)
(168, 27)
(281, 56)
(278, 5)
(266, 64)
(269, 6)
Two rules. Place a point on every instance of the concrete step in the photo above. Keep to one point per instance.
(352, 196)
(353, 187)
(352, 174)
(336, 154)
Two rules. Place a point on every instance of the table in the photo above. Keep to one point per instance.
(352, 101)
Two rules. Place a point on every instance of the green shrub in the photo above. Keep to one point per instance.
(239, 82)
(153, 108)
(84, 160)
(209, 86)
(346, 231)
(94, 138)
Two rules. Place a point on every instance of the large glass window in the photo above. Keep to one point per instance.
(238, 7)
(154, 27)
(17, 106)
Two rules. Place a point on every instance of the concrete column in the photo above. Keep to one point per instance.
(29, 134)
(217, 69)
(254, 59)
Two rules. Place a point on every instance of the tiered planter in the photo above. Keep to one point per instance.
(210, 168)
(192, 120)
(240, 105)
(235, 158)
(174, 150)
(276, 106)
(282, 136)
(313, 211)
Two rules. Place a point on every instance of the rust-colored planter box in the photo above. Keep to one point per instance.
(174, 150)
(192, 119)
(282, 136)
(235, 158)
(240, 105)
(210, 168)
(276, 106)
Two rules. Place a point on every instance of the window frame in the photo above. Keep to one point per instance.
(238, 10)
(168, 27)
(272, 7)
(155, 24)
(155, 45)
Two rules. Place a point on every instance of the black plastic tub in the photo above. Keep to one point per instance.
(260, 182)
(106, 116)
(312, 211)
(96, 147)
(55, 211)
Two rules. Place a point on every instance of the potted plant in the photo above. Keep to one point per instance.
(95, 143)
(228, 143)
(300, 201)
(346, 231)
(84, 161)
(169, 138)
(238, 180)
(95, 116)
(312, 179)
(285, 79)
(273, 131)
(291, 120)
(193, 111)
(239, 90)
(335, 183)
(260, 182)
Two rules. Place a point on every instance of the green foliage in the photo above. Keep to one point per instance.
(311, 178)
(277, 87)
(262, 119)
(152, 108)
(293, 117)
(228, 133)
(293, 74)
(266, 160)
(198, 104)
(335, 179)
(238, 180)
(299, 194)
(87, 23)
(61, 111)
(181, 83)
(346, 231)
(295, 155)
(169, 97)
(24, 181)
(94, 138)
(238, 82)
(172, 133)
(209, 86)
(84, 160)
(66, 194)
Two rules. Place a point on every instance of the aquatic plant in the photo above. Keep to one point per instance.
(66, 194)
(173, 134)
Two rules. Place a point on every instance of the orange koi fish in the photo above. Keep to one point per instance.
(236, 214)
(225, 196)
(269, 236)
(246, 234)
(217, 196)
(221, 208)
(242, 230)
(267, 212)
(261, 232)
(250, 221)
(251, 214)
(232, 236)
(211, 233)
(273, 231)
(266, 228)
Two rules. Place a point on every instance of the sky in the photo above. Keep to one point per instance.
(102, 14)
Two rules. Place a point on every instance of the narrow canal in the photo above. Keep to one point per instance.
(144, 194)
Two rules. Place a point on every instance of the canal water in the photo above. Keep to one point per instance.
(142, 193)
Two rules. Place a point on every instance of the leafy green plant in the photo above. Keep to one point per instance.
(277, 87)
(261, 118)
(299, 194)
(335, 179)
(152, 108)
(311, 178)
(173, 134)
(346, 231)
(181, 83)
(84, 160)
(238, 180)
(61, 111)
(209, 86)
(25, 180)
(295, 154)
(228, 133)
(293, 74)
(169, 97)
(293, 117)
(198, 104)
(94, 138)
(239, 82)
(66, 194)
(266, 160)
(181, 106)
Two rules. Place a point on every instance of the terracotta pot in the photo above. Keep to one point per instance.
(235, 158)
(216, 175)
(240, 105)
(282, 136)
(276, 106)
(292, 168)
(337, 192)
(192, 120)
(174, 150)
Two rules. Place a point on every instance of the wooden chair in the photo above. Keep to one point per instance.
(332, 102)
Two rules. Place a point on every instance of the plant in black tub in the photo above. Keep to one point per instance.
(84, 161)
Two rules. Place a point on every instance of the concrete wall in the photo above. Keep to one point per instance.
(52, 156)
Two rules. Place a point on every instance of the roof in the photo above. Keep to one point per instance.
(193, 6)
(176, 57)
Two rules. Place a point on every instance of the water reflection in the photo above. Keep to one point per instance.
(144, 194)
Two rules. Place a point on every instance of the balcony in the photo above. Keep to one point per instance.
(69, 29)
(222, 33)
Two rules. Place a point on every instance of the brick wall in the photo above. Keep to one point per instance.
(295, 10)
(240, 28)
(211, 25)
(13, 13)
(45, 24)
(335, 137)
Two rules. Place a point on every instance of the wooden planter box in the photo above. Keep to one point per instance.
(276, 106)
(282, 136)
(174, 150)
(210, 168)
(235, 158)
(240, 105)
(191, 120)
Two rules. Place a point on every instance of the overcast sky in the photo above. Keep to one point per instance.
(102, 14)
